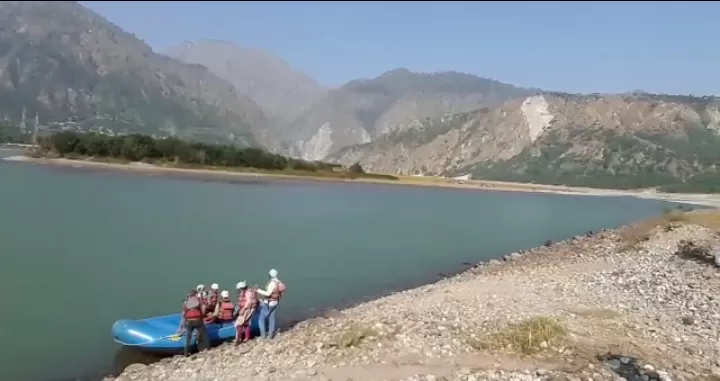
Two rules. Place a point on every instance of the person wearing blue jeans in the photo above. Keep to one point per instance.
(268, 306)
(267, 314)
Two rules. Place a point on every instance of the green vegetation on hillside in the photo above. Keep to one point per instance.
(10, 133)
(671, 164)
(400, 81)
(70, 68)
(175, 152)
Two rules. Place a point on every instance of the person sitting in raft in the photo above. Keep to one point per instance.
(225, 310)
(272, 293)
(201, 292)
(247, 302)
(212, 297)
(211, 303)
(192, 319)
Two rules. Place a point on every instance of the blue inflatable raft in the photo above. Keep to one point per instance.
(159, 334)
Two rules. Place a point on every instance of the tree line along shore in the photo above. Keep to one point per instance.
(176, 153)
(172, 152)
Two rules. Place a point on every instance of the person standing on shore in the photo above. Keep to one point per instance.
(272, 293)
(192, 320)
(247, 302)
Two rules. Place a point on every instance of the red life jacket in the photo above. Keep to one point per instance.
(194, 313)
(278, 291)
(245, 296)
(227, 309)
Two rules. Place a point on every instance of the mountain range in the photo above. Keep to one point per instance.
(64, 66)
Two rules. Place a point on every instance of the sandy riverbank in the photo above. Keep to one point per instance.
(545, 314)
(696, 199)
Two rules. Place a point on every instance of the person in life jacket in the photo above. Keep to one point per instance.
(247, 303)
(272, 293)
(225, 310)
(212, 298)
(193, 312)
(211, 301)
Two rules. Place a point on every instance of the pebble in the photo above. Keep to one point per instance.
(135, 368)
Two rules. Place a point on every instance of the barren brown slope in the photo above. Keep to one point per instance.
(615, 141)
(73, 68)
(282, 92)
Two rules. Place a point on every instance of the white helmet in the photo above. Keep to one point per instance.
(214, 286)
(224, 294)
(200, 287)
(273, 273)
(241, 285)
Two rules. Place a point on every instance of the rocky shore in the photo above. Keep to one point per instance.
(636, 304)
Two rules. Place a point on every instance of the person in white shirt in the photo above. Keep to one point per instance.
(272, 294)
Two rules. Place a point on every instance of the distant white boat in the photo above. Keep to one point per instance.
(463, 177)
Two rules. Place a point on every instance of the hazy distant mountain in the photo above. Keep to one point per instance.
(68, 65)
(282, 92)
(363, 110)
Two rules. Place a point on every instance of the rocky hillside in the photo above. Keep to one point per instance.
(365, 110)
(65, 66)
(616, 141)
(282, 92)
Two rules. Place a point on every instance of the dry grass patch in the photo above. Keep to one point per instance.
(596, 313)
(706, 218)
(528, 336)
(352, 336)
(632, 236)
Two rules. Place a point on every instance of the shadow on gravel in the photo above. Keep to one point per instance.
(691, 251)
(628, 368)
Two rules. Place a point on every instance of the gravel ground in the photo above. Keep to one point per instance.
(642, 302)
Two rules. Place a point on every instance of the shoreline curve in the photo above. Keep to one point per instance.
(712, 200)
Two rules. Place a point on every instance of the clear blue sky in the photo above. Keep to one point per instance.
(671, 47)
